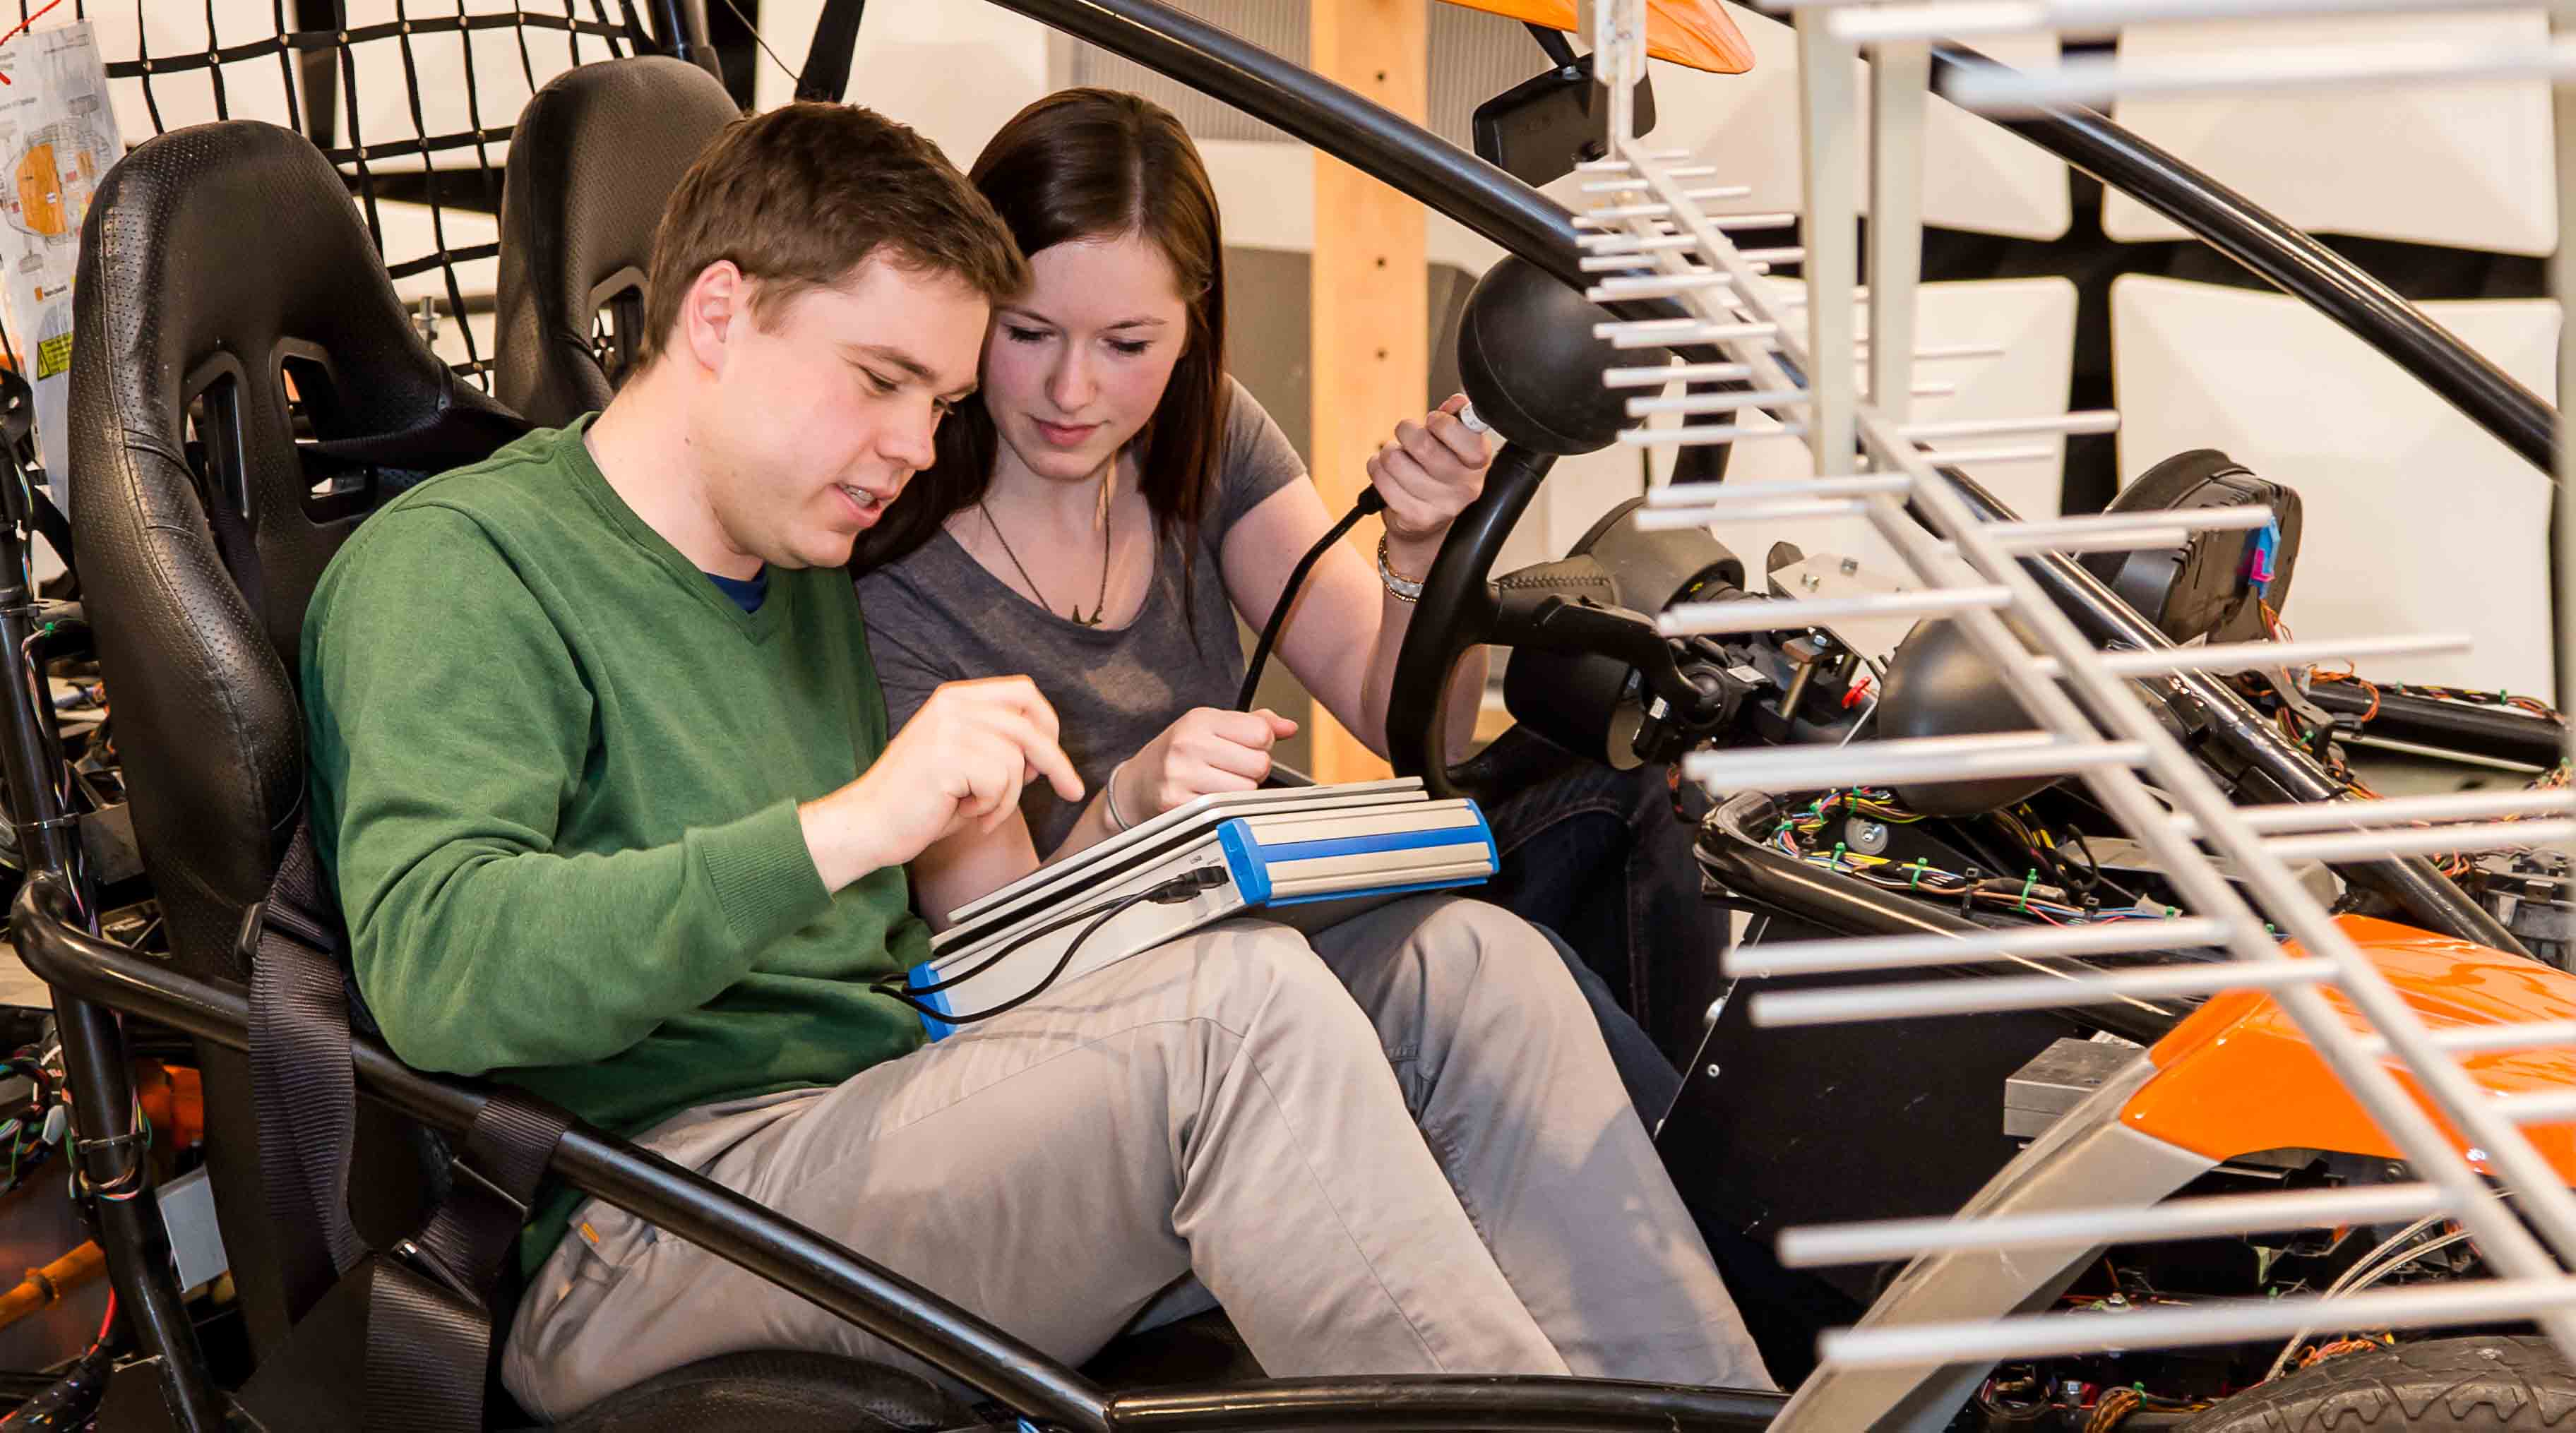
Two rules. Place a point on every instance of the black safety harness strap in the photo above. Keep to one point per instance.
(302, 1083)
(429, 1312)
(452, 438)
(429, 1320)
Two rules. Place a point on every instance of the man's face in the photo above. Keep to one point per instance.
(823, 407)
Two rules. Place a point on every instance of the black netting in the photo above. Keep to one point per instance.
(413, 100)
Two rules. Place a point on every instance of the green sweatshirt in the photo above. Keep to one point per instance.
(555, 774)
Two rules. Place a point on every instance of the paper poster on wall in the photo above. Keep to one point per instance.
(57, 136)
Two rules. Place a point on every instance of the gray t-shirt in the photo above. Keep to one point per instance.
(939, 616)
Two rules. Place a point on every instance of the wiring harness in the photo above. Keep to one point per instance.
(2051, 889)
(2316, 738)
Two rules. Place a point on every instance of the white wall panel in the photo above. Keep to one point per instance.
(2465, 165)
(2417, 521)
(955, 70)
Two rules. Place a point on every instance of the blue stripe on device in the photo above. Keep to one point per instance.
(921, 975)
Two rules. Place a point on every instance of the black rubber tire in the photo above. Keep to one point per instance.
(2500, 1382)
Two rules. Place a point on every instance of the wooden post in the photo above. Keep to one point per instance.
(1370, 351)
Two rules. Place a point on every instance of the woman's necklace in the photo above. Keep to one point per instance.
(1099, 604)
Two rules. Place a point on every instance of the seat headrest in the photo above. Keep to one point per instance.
(593, 160)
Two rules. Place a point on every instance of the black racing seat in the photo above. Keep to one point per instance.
(228, 294)
(594, 157)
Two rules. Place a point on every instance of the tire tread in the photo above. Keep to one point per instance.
(2504, 1383)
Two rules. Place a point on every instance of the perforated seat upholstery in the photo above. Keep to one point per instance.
(594, 158)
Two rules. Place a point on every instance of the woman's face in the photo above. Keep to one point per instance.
(1076, 366)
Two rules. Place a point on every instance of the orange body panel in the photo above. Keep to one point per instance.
(1697, 33)
(2238, 1076)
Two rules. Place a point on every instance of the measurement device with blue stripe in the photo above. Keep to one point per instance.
(1305, 856)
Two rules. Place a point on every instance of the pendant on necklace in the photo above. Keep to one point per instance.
(1076, 618)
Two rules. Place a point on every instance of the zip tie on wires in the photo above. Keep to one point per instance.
(2027, 881)
(1917, 883)
(130, 1136)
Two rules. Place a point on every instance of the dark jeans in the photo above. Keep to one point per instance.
(1596, 857)
(1652, 1082)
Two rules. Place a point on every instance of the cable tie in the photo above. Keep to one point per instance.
(2028, 880)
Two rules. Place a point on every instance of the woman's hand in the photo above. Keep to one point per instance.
(1428, 474)
(1208, 750)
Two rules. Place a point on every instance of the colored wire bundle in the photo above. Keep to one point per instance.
(2310, 737)
(33, 1130)
(2026, 894)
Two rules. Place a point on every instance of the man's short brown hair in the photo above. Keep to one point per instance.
(799, 197)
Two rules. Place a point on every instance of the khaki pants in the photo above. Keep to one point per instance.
(1408, 1155)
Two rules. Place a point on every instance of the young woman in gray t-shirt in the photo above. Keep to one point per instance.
(1110, 502)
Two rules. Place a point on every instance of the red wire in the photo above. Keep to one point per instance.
(21, 26)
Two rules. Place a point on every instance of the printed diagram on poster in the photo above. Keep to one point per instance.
(57, 136)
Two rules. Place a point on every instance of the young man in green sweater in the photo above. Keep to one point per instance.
(601, 772)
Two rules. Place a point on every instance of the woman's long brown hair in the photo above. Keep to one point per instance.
(1096, 164)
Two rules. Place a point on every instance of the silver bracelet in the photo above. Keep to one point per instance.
(1404, 590)
(1109, 797)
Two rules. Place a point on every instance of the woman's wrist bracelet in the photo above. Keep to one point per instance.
(1109, 798)
(1405, 589)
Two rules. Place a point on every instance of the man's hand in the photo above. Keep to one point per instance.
(1208, 750)
(1428, 474)
(959, 762)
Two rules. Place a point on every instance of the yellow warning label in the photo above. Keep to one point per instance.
(53, 355)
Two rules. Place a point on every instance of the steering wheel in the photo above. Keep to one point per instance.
(1457, 610)
(1531, 365)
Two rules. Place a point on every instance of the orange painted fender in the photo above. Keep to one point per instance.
(2238, 1076)
(1697, 33)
